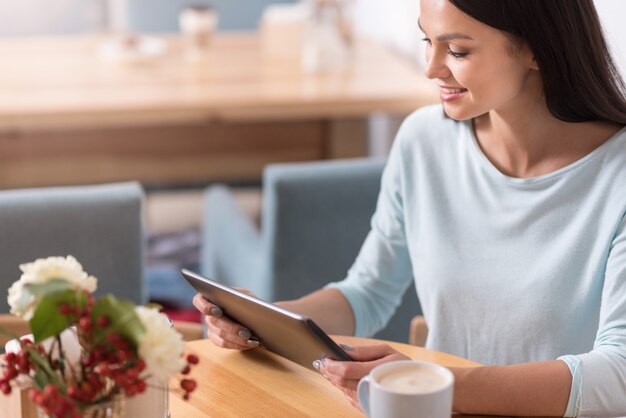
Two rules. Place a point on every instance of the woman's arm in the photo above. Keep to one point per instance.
(328, 308)
(529, 389)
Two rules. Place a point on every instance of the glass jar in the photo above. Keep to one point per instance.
(113, 408)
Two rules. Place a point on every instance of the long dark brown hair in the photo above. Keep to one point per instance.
(580, 80)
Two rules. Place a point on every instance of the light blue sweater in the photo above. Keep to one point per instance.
(507, 270)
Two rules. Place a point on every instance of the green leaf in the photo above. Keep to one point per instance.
(44, 373)
(52, 286)
(41, 379)
(47, 321)
(123, 318)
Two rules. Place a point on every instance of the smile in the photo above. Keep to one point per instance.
(449, 94)
(447, 90)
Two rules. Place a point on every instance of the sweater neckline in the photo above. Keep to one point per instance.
(489, 166)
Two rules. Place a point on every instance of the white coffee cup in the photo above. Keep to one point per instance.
(407, 388)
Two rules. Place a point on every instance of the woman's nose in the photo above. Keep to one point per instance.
(435, 65)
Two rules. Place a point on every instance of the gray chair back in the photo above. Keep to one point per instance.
(99, 225)
(315, 219)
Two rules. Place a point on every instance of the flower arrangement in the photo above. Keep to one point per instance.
(84, 350)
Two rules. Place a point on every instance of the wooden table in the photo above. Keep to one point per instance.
(259, 383)
(68, 117)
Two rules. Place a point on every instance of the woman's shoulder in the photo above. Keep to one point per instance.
(430, 125)
(432, 116)
(614, 160)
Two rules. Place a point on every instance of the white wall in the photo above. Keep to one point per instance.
(51, 17)
(612, 14)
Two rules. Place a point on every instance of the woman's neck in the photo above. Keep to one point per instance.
(533, 143)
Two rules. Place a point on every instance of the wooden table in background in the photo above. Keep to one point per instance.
(259, 383)
(68, 117)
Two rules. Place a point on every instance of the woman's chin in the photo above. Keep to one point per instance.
(459, 113)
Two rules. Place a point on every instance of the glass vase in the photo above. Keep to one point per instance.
(153, 403)
(113, 408)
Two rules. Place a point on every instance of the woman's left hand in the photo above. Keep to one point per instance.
(346, 374)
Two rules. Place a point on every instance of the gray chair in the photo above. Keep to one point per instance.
(315, 218)
(162, 15)
(99, 225)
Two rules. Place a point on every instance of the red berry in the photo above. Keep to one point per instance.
(85, 323)
(132, 373)
(50, 390)
(103, 321)
(141, 365)
(73, 391)
(193, 359)
(32, 394)
(5, 387)
(141, 386)
(188, 385)
(65, 309)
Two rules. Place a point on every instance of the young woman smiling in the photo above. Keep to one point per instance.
(509, 211)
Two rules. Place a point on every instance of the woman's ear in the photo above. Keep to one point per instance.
(528, 58)
(533, 64)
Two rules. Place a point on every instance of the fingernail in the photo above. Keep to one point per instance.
(317, 364)
(253, 343)
(244, 333)
(346, 347)
(215, 311)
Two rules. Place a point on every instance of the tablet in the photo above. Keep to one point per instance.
(280, 331)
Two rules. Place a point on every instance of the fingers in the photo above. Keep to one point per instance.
(355, 370)
(229, 334)
(370, 352)
(346, 374)
(221, 342)
(205, 307)
(221, 330)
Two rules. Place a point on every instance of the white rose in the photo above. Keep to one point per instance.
(161, 347)
(43, 270)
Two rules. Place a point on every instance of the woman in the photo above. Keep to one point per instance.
(509, 211)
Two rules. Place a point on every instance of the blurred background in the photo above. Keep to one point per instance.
(183, 95)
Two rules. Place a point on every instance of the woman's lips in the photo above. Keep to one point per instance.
(448, 94)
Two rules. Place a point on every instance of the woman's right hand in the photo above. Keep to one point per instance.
(221, 330)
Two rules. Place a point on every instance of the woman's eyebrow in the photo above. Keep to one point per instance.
(447, 36)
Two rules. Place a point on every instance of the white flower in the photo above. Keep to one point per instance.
(161, 347)
(43, 270)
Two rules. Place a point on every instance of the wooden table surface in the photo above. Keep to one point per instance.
(68, 117)
(48, 82)
(259, 383)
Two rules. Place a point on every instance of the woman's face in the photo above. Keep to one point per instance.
(477, 67)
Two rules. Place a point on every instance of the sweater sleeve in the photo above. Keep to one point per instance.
(381, 273)
(599, 376)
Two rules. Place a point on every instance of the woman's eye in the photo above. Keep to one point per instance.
(427, 40)
(457, 54)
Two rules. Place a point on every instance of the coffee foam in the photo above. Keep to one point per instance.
(413, 379)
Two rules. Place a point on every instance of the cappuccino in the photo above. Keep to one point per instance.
(413, 379)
